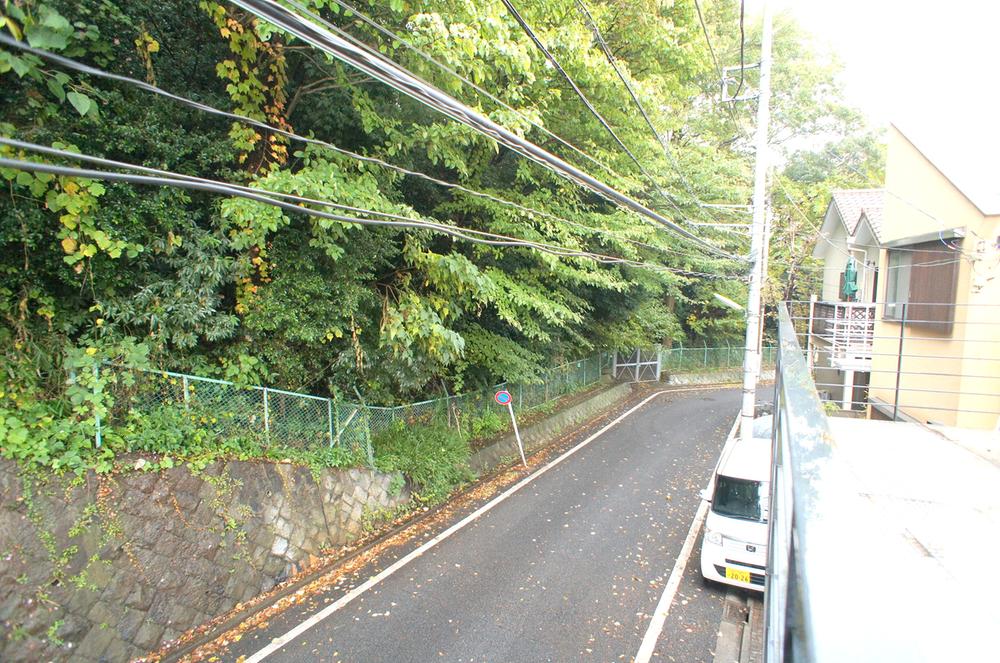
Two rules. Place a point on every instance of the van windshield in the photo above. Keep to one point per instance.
(737, 498)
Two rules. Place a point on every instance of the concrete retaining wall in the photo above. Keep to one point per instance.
(713, 377)
(546, 431)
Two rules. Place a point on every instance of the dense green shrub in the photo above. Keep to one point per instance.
(434, 458)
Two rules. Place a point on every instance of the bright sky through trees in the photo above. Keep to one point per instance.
(910, 61)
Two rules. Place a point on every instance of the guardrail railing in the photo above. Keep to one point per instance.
(801, 455)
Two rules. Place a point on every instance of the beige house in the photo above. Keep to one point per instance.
(936, 350)
(842, 325)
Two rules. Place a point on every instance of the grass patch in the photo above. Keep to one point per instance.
(435, 458)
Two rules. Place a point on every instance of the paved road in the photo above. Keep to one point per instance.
(569, 568)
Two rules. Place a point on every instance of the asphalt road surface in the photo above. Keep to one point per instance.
(568, 568)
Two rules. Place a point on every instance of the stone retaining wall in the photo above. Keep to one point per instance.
(107, 568)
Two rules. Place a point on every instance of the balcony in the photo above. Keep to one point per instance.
(848, 331)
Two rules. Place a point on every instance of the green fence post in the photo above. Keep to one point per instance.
(267, 418)
(329, 417)
(97, 406)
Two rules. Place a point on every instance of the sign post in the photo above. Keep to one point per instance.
(503, 397)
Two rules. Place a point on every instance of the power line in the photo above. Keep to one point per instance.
(392, 35)
(555, 63)
(263, 196)
(51, 151)
(742, 44)
(718, 69)
(77, 66)
(586, 102)
(628, 86)
(388, 72)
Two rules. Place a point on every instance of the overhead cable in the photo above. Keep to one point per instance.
(437, 63)
(100, 73)
(56, 152)
(742, 46)
(590, 107)
(211, 186)
(635, 98)
(305, 11)
(388, 72)
(718, 69)
(579, 93)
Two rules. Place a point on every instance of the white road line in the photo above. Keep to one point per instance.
(281, 641)
(674, 581)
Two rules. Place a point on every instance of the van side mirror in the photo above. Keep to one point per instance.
(705, 495)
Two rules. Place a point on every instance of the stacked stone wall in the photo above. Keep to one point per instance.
(108, 568)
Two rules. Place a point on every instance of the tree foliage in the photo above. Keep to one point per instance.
(235, 287)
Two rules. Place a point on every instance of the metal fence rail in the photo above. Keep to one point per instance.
(275, 417)
(829, 595)
(908, 368)
(808, 510)
(690, 359)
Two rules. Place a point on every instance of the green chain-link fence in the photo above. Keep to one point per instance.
(276, 417)
(682, 359)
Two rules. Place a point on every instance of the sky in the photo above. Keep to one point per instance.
(910, 60)
(930, 68)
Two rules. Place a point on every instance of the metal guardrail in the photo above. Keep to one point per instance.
(847, 577)
(800, 452)
(830, 594)
(909, 372)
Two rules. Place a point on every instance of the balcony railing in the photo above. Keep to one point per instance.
(853, 572)
(849, 329)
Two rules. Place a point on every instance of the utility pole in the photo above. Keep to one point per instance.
(758, 241)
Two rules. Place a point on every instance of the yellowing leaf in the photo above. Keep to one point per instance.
(68, 245)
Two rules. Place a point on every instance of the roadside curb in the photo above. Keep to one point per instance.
(541, 434)
(547, 430)
(713, 377)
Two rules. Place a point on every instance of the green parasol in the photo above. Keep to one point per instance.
(850, 289)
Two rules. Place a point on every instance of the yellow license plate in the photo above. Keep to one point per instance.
(736, 574)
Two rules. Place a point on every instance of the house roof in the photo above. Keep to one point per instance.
(852, 203)
(965, 155)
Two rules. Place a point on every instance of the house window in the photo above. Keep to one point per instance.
(921, 284)
(897, 289)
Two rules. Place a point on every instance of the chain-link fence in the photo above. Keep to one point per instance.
(682, 359)
(231, 411)
(274, 417)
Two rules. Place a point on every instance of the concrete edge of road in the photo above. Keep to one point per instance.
(308, 623)
(547, 430)
(740, 637)
(542, 434)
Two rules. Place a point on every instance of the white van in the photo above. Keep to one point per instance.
(734, 548)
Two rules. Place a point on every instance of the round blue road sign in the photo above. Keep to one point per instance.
(502, 397)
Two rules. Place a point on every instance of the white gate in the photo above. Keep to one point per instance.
(637, 366)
